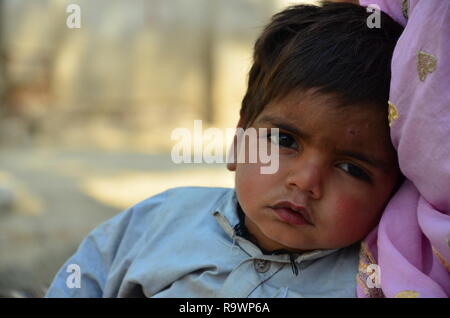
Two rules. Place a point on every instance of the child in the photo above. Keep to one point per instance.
(321, 76)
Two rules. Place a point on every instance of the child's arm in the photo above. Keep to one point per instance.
(85, 273)
(98, 264)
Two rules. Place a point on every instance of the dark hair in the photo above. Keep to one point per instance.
(327, 47)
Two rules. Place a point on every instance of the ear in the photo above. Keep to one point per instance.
(231, 162)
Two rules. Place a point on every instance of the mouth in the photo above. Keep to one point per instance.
(291, 213)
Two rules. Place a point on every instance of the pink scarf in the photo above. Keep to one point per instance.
(411, 245)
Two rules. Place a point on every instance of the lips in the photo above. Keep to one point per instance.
(291, 213)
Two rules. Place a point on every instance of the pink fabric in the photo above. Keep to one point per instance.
(411, 243)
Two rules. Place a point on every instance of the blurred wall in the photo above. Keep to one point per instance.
(134, 71)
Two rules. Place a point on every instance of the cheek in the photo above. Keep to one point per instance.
(346, 209)
(252, 186)
(346, 205)
(353, 218)
(247, 177)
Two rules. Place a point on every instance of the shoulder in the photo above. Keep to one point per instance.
(187, 197)
(169, 202)
(199, 192)
(157, 212)
(180, 202)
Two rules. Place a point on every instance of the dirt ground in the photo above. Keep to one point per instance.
(51, 199)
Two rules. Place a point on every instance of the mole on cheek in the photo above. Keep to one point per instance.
(352, 132)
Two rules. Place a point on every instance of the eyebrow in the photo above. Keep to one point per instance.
(364, 158)
(283, 124)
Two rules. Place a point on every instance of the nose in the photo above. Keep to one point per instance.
(307, 176)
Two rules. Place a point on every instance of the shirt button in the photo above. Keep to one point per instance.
(261, 265)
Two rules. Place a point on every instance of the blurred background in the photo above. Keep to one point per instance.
(86, 114)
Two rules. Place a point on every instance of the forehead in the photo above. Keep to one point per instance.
(322, 113)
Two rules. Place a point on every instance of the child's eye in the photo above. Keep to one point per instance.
(355, 171)
(283, 140)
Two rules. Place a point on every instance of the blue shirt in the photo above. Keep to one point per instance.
(183, 243)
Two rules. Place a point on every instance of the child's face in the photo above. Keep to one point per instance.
(338, 164)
